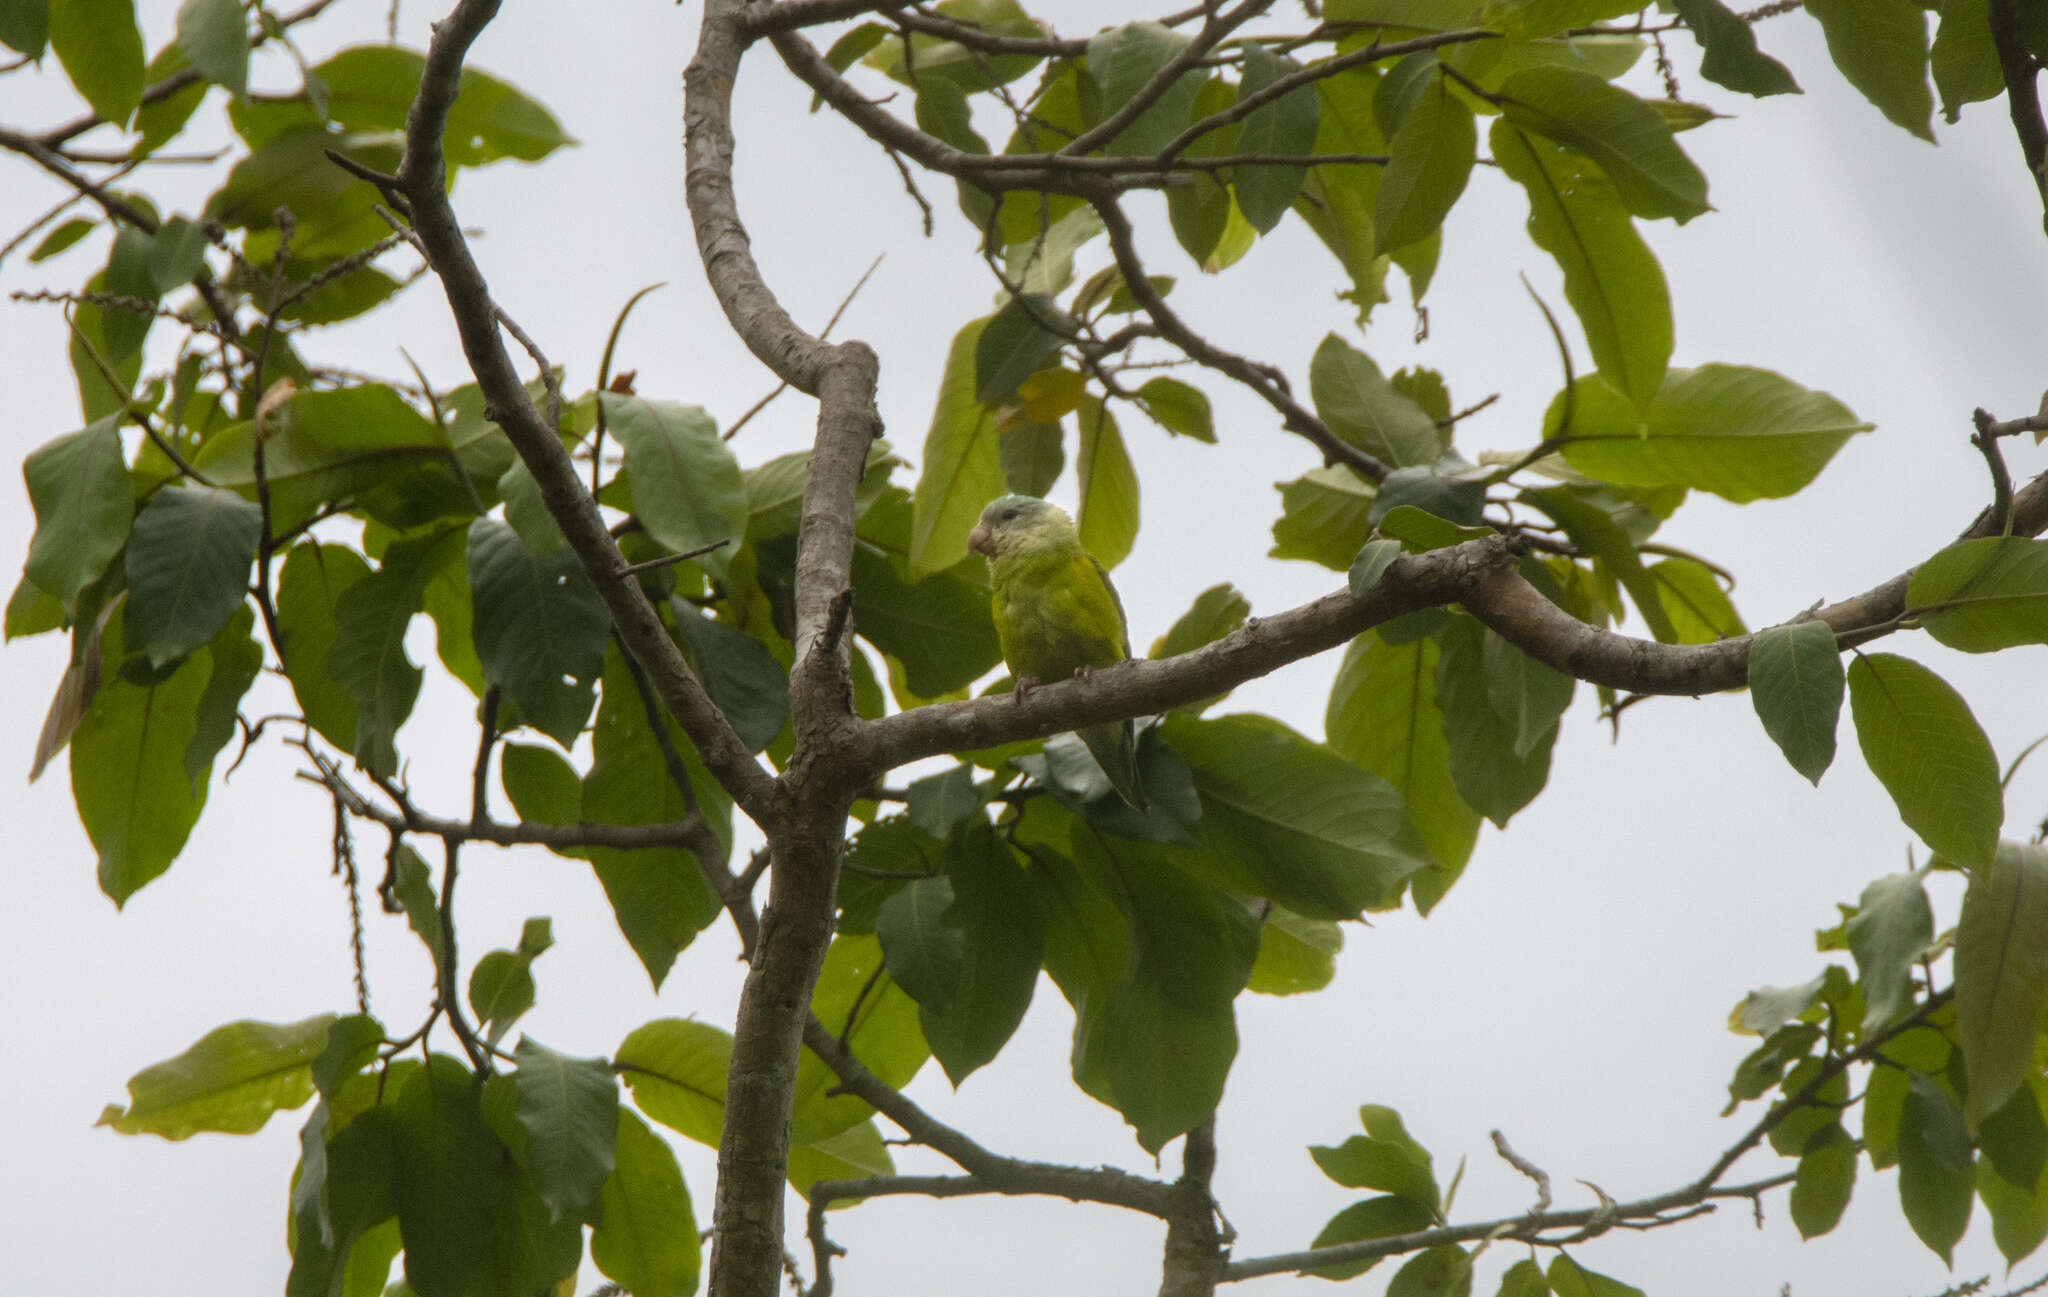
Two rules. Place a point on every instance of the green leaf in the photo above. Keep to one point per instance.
(128, 774)
(230, 1081)
(1108, 516)
(176, 254)
(877, 1021)
(1936, 1178)
(335, 212)
(1964, 58)
(1215, 613)
(1431, 160)
(1893, 924)
(235, 659)
(1490, 775)
(216, 40)
(1015, 343)
(78, 485)
(1443, 1271)
(1381, 1217)
(1384, 1158)
(1383, 715)
(1984, 595)
(1178, 408)
(540, 628)
(675, 1070)
(1121, 61)
(25, 27)
(1927, 750)
(1824, 1181)
(2019, 1214)
(1295, 954)
(188, 568)
(2002, 974)
(1032, 456)
(658, 894)
(994, 910)
(1569, 1279)
(569, 1109)
(1611, 279)
(1282, 128)
(1881, 47)
(1731, 56)
(2014, 1138)
(962, 469)
(739, 672)
(501, 985)
(1373, 560)
(352, 1044)
(1365, 410)
(1312, 830)
(1795, 683)
(1528, 696)
(1767, 1008)
(309, 590)
(543, 786)
(1627, 138)
(687, 488)
(971, 69)
(1695, 602)
(101, 50)
(1325, 517)
(924, 947)
(940, 803)
(371, 87)
(368, 659)
(63, 235)
(645, 1239)
(1524, 1279)
(413, 887)
(1595, 520)
(1743, 434)
(471, 1220)
(1164, 1035)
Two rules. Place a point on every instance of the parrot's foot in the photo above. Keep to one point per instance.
(1022, 685)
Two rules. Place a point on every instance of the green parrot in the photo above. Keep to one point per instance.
(1057, 615)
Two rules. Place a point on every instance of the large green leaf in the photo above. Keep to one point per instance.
(371, 88)
(501, 985)
(101, 50)
(1315, 832)
(1108, 516)
(1121, 61)
(1628, 138)
(645, 1239)
(78, 486)
(962, 468)
(675, 1069)
(930, 57)
(1370, 1218)
(1383, 715)
(334, 213)
(857, 1000)
(1892, 927)
(1386, 1158)
(1936, 1179)
(1983, 595)
(1431, 158)
(135, 797)
(234, 659)
(231, 1080)
(368, 658)
(1490, 775)
(1731, 57)
(2002, 974)
(1325, 517)
(739, 672)
(1295, 954)
(569, 1110)
(1612, 281)
(994, 909)
(188, 568)
(1283, 128)
(1881, 47)
(309, 589)
(1360, 406)
(1597, 521)
(1964, 57)
(25, 27)
(687, 488)
(1015, 343)
(1567, 1278)
(471, 1221)
(540, 628)
(923, 944)
(1743, 434)
(1928, 751)
(1530, 697)
(658, 894)
(216, 39)
(1162, 1039)
(1825, 1179)
(1795, 683)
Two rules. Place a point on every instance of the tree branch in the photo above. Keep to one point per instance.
(1479, 574)
(2020, 71)
(422, 177)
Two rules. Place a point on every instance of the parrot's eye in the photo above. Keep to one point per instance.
(1009, 515)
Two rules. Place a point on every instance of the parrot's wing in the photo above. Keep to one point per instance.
(1123, 623)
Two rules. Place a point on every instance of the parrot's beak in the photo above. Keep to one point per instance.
(981, 541)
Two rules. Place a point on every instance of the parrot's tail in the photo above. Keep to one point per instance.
(1115, 748)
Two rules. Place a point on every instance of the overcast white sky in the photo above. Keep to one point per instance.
(1571, 991)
